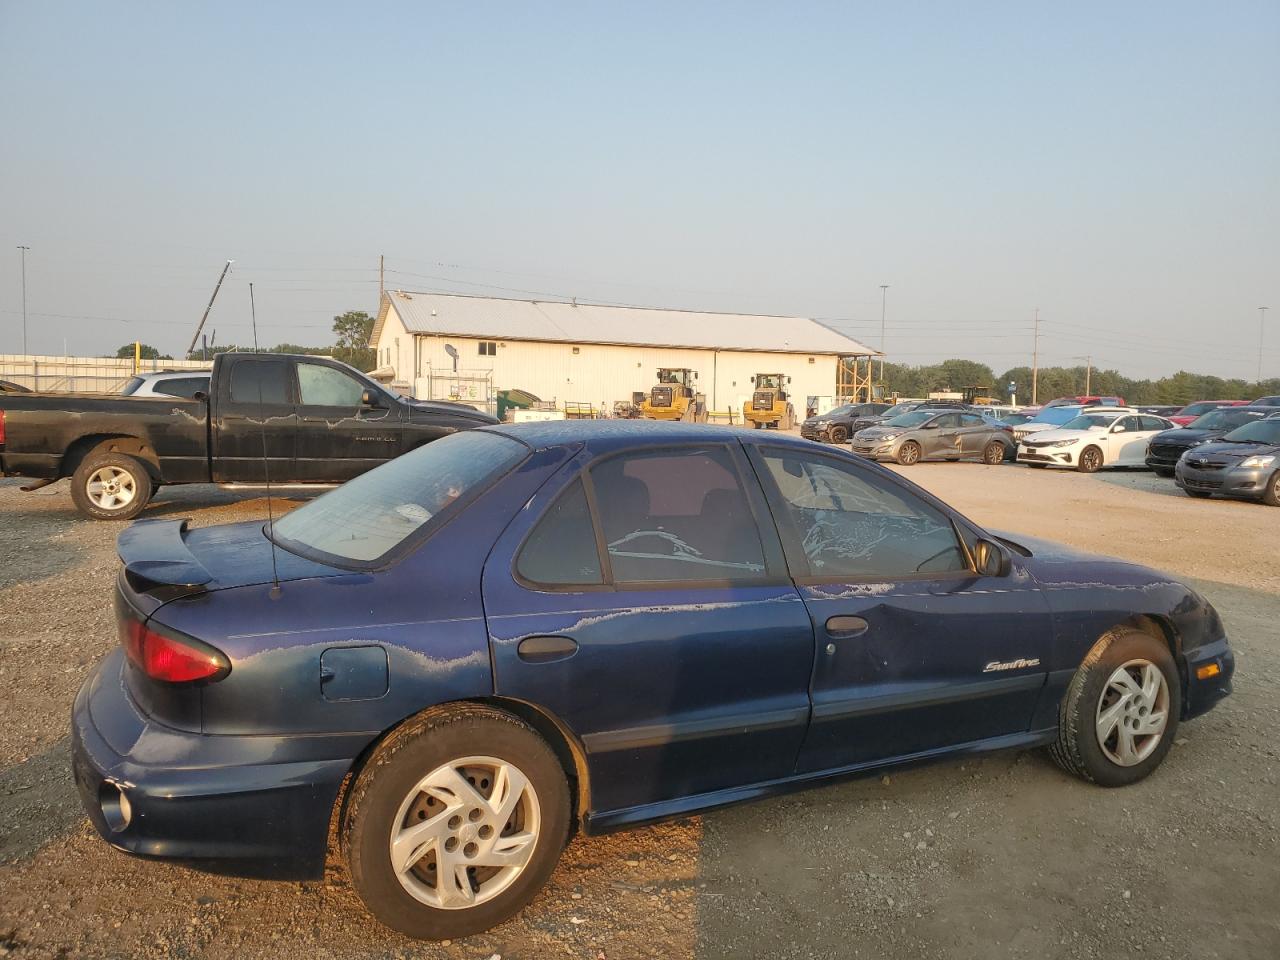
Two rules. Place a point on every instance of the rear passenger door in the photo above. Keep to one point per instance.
(255, 426)
(973, 434)
(642, 599)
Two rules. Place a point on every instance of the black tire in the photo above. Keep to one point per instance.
(429, 741)
(1078, 749)
(1162, 472)
(1198, 494)
(994, 453)
(130, 476)
(909, 453)
(1090, 460)
(838, 434)
(1271, 495)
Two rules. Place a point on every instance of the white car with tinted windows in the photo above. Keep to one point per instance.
(1093, 440)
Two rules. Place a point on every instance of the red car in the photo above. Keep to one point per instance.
(1090, 401)
(1193, 410)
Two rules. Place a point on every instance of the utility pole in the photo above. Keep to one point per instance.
(884, 288)
(1262, 320)
(196, 336)
(1035, 362)
(382, 275)
(1088, 375)
(24, 296)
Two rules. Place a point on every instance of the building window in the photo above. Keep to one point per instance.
(576, 351)
(488, 348)
(811, 359)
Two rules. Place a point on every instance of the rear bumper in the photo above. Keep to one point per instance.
(1202, 695)
(38, 466)
(195, 796)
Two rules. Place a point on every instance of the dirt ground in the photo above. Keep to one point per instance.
(998, 856)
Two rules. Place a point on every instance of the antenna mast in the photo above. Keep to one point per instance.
(266, 469)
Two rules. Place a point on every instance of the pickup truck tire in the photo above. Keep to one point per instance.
(111, 486)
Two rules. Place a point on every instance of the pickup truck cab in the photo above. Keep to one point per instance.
(275, 418)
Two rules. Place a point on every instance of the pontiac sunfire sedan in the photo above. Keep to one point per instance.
(514, 632)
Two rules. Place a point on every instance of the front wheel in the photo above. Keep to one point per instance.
(994, 454)
(1271, 496)
(909, 453)
(111, 486)
(1090, 460)
(455, 822)
(838, 434)
(1120, 713)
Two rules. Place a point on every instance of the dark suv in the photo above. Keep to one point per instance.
(1165, 449)
(838, 425)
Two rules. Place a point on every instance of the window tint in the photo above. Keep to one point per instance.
(248, 377)
(947, 421)
(182, 386)
(321, 386)
(971, 420)
(1154, 423)
(677, 516)
(562, 548)
(853, 524)
(1130, 424)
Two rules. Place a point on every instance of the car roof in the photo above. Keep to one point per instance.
(153, 374)
(609, 434)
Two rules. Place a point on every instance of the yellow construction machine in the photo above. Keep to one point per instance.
(770, 404)
(675, 397)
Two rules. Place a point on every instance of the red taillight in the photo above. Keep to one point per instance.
(167, 657)
(1, 428)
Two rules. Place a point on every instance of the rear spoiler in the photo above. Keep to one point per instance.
(155, 554)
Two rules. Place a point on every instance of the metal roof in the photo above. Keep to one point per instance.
(461, 315)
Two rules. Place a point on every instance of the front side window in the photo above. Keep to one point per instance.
(1129, 424)
(561, 550)
(677, 515)
(321, 386)
(259, 381)
(366, 518)
(856, 526)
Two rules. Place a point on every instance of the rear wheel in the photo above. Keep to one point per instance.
(455, 822)
(994, 453)
(838, 434)
(1120, 713)
(1090, 460)
(909, 453)
(111, 486)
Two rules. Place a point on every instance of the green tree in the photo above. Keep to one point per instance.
(353, 329)
(148, 353)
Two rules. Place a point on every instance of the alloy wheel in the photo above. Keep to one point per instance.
(1133, 712)
(111, 488)
(465, 832)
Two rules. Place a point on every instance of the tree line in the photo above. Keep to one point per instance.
(1179, 388)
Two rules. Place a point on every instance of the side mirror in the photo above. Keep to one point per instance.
(1118, 429)
(989, 559)
(370, 399)
(201, 395)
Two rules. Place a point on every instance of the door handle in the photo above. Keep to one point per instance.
(841, 628)
(546, 649)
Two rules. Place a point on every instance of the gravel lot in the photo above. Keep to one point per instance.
(1000, 856)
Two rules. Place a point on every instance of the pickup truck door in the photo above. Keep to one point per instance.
(254, 427)
(338, 436)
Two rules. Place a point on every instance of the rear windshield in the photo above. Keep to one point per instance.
(368, 517)
(911, 419)
(1260, 431)
(132, 386)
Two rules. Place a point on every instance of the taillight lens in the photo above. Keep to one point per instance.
(1, 428)
(167, 655)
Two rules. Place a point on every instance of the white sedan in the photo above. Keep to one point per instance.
(1094, 440)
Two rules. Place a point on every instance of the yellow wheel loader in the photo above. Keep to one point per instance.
(675, 397)
(770, 404)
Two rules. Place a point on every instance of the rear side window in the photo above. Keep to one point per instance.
(673, 516)
(366, 518)
(971, 420)
(561, 550)
(856, 526)
(185, 387)
(259, 381)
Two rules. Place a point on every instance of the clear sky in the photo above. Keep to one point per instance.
(1115, 164)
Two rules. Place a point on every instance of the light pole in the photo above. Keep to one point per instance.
(1088, 373)
(1262, 321)
(884, 294)
(24, 250)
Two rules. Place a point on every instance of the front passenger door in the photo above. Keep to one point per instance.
(916, 652)
(338, 436)
(1127, 442)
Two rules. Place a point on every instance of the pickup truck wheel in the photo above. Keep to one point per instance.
(455, 822)
(111, 486)
(838, 434)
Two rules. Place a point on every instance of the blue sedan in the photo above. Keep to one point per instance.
(465, 654)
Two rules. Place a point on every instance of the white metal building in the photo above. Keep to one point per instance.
(436, 345)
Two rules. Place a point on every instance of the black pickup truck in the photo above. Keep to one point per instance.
(267, 417)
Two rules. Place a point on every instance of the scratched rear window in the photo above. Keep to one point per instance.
(368, 517)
